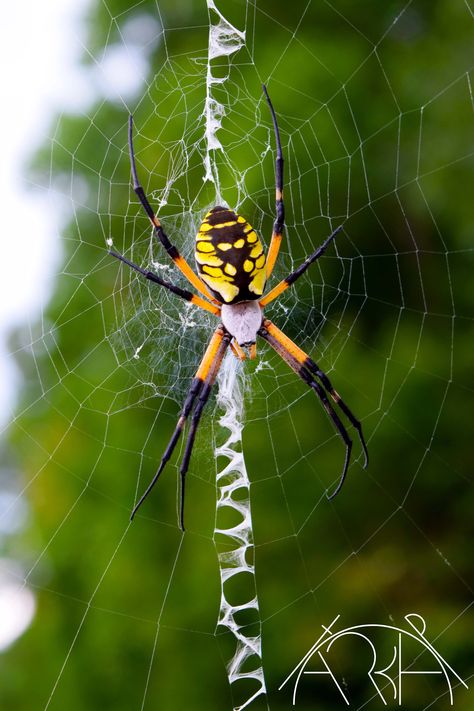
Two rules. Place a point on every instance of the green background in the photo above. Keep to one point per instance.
(376, 119)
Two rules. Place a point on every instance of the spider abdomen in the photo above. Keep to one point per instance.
(229, 257)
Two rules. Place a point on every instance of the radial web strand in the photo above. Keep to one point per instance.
(375, 108)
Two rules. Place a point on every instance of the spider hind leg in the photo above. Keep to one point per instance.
(305, 368)
(200, 388)
(321, 375)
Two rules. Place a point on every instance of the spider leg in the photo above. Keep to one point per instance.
(237, 350)
(279, 223)
(211, 355)
(314, 368)
(160, 234)
(202, 400)
(302, 371)
(291, 278)
(304, 360)
(183, 293)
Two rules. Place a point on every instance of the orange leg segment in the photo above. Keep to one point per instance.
(177, 258)
(183, 293)
(237, 350)
(200, 390)
(307, 369)
(305, 361)
(291, 278)
(280, 206)
(273, 252)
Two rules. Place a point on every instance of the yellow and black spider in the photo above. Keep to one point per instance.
(233, 271)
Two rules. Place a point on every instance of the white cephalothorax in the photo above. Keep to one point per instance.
(242, 320)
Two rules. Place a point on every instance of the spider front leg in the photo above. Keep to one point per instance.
(183, 293)
(294, 276)
(303, 366)
(200, 388)
(304, 360)
(279, 223)
(173, 252)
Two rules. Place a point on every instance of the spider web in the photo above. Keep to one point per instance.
(386, 312)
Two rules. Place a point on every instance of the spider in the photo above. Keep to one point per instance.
(233, 271)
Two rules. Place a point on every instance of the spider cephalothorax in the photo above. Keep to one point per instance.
(233, 271)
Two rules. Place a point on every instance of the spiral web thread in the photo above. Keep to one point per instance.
(234, 542)
(399, 362)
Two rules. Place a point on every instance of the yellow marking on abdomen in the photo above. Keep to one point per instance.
(251, 237)
(204, 246)
(209, 259)
(205, 227)
(258, 282)
(239, 243)
(224, 288)
(230, 269)
(248, 265)
(260, 261)
(256, 251)
(224, 246)
(224, 224)
(215, 272)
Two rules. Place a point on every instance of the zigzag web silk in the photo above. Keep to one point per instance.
(394, 362)
(234, 543)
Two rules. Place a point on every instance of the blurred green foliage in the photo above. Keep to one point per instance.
(129, 613)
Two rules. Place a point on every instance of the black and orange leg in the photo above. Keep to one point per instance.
(237, 350)
(207, 371)
(203, 397)
(321, 375)
(279, 223)
(304, 360)
(160, 234)
(183, 293)
(283, 285)
(292, 355)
